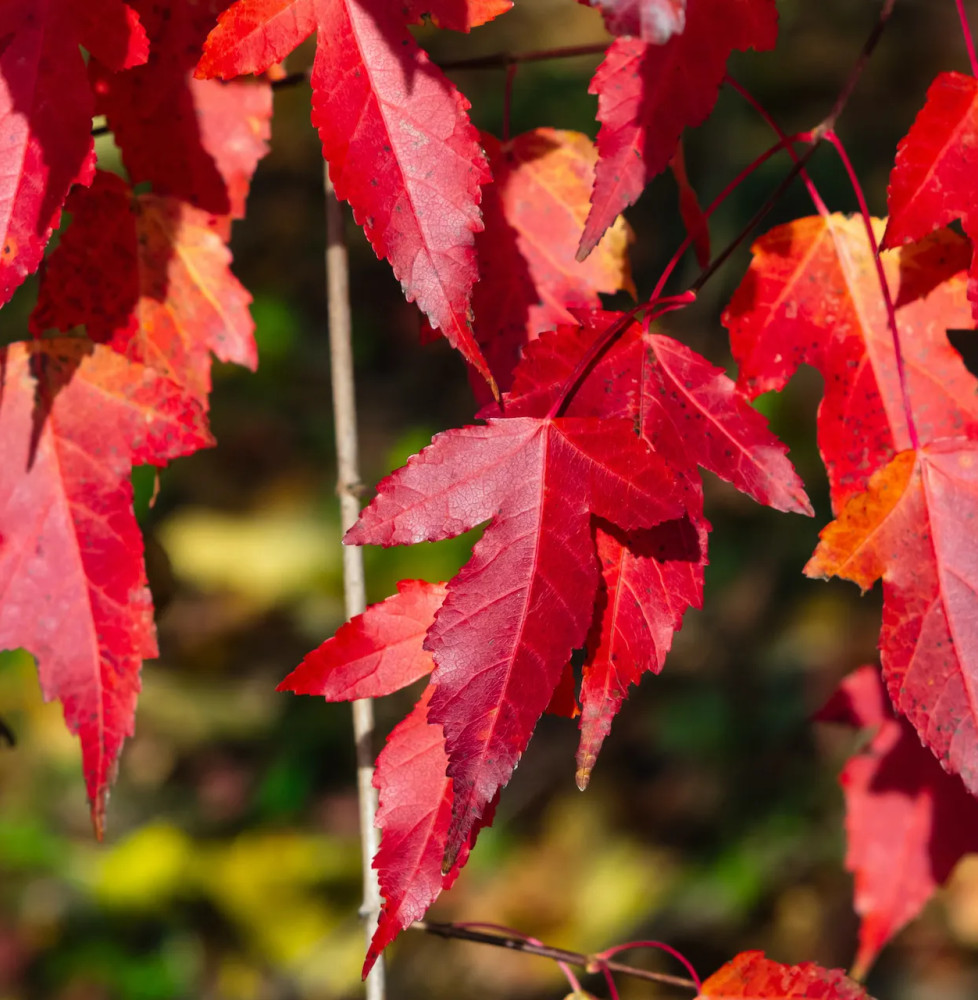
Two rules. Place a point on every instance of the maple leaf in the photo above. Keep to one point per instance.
(542, 180)
(397, 137)
(907, 821)
(196, 140)
(751, 976)
(375, 653)
(523, 602)
(46, 111)
(654, 21)
(647, 95)
(74, 417)
(691, 414)
(648, 580)
(415, 815)
(913, 526)
(149, 276)
(932, 182)
(812, 295)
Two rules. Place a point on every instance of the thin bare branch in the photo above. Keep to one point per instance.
(354, 590)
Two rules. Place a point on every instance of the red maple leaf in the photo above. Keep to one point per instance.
(529, 277)
(46, 109)
(376, 653)
(912, 527)
(907, 821)
(396, 134)
(690, 413)
(74, 418)
(150, 277)
(751, 976)
(932, 182)
(812, 295)
(654, 21)
(196, 140)
(459, 15)
(523, 602)
(647, 95)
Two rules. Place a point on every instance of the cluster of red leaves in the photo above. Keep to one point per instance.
(142, 283)
(594, 426)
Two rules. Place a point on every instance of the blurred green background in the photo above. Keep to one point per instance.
(713, 820)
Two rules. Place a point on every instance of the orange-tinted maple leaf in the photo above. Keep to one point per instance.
(74, 418)
(397, 137)
(542, 180)
(46, 108)
(648, 94)
(914, 527)
(908, 822)
(167, 300)
(812, 295)
(751, 976)
(932, 182)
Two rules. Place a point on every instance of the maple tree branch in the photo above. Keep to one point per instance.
(590, 963)
(500, 60)
(828, 122)
(354, 588)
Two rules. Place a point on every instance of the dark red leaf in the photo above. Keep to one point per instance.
(647, 95)
(907, 821)
(197, 140)
(649, 579)
(523, 602)
(74, 418)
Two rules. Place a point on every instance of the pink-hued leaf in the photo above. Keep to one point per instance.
(74, 418)
(253, 35)
(751, 976)
(654, 21)
(523, 602)
(812, 295)
(529, 278)
(458, 15)
(376, 653)
(169, 298)
(649, 579)
(414, 816)
(907, 821)
(647, 95)
(197, 140)
(914, 527)
(403, 153)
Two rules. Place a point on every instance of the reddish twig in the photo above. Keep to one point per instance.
(591, 963)
(969, 42)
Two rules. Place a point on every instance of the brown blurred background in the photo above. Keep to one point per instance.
(713, 820)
